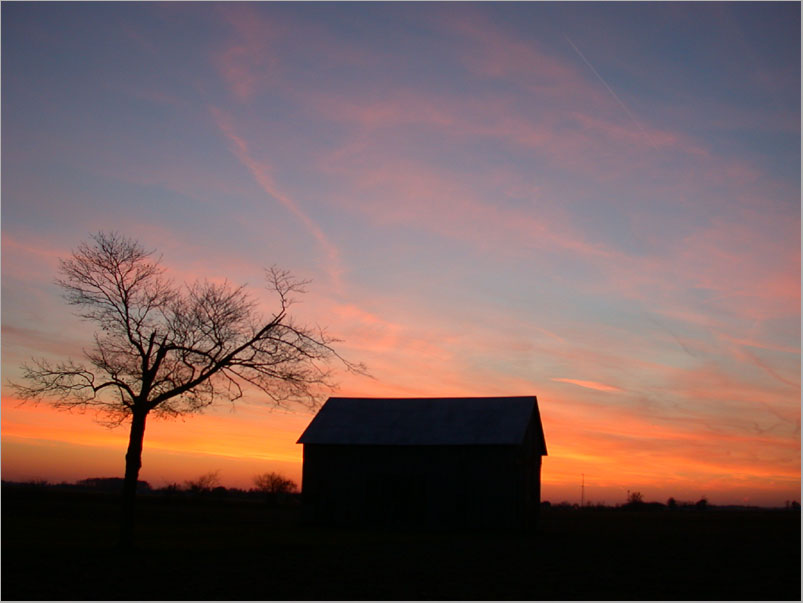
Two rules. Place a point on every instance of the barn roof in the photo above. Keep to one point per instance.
(425, 421)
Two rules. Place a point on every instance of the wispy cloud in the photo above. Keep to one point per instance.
(601, 387)
(262, 174)
(247, 63)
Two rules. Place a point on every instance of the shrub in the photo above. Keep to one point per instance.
(275, 487)
(204, 483)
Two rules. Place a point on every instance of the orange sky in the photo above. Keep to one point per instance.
(627, 454)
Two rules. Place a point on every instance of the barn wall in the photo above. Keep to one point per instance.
(431, 486)
(532, 479)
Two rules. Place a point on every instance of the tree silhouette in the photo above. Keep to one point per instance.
(203, 483)
(274, 486)
(635, 498)
(172, 349)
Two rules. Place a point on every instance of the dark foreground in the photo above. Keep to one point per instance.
(60, 545)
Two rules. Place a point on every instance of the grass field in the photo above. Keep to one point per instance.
(60, 545)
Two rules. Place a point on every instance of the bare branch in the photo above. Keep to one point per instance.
(69, 386)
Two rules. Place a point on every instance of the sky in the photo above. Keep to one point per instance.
(594, 203)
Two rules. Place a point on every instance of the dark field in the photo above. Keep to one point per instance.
(60, 545)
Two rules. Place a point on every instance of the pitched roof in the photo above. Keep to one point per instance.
(425, 421)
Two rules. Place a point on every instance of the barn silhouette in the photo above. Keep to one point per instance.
(430, 462)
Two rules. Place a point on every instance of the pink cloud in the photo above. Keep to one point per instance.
(242, 72)
(595, 385)
(749, 273)
(623, 132)
(248, 62)
(401, 107)
(412, 192)
(715, 259)
(40, 251)
(494, 52)
(37, 342)
(758, 343)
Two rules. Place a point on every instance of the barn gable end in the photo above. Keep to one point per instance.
(430, 462)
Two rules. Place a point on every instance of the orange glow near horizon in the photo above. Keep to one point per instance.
(40, 443)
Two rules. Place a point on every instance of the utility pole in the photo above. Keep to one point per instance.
(583, 491)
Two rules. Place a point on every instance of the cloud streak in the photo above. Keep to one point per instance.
(613, 94)
(262, 175)
(595, 385)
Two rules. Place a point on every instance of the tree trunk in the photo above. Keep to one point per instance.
(133, 461)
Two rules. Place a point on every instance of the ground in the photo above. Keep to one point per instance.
(60, 545)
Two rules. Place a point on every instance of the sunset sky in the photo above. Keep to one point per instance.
(597, 204)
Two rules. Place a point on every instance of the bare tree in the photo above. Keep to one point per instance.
(172, 349)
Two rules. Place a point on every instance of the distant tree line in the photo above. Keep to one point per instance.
(277, 490)
(272, 488)
(635, 502)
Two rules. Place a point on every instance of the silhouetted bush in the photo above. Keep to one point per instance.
(275, 487)
(635, 500)
(204, 483)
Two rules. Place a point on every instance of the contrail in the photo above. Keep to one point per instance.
(613, 94)
(263, 178)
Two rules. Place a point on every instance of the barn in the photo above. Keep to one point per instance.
(429, 462)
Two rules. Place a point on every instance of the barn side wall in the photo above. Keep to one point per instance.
(531, 450)
(429, 486)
